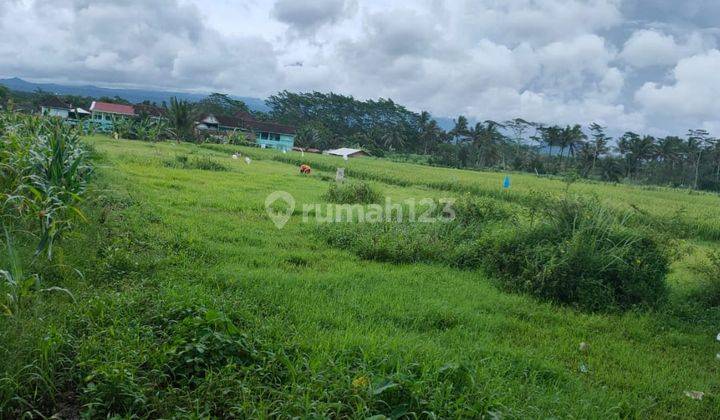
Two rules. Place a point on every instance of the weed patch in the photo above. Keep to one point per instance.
(575, 252)
(353, 193)
(202, 163)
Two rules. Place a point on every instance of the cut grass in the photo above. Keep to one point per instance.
(330, 334)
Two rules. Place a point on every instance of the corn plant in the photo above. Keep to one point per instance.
(16, 284)
(57, 180)
(14, 280)
(45, 172)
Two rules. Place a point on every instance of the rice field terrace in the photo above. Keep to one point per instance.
(173, 294)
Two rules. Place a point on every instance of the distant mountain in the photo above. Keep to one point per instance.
(132, 95)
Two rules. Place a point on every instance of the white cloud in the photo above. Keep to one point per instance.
(694, 93)
(650, 47)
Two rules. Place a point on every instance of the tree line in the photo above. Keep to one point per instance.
(385, 128)
(327, 120)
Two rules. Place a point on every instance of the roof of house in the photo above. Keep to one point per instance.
(150, 110)
(52, 101)
(268, 126)
(226, 121)
(344, 151)
(112, 108)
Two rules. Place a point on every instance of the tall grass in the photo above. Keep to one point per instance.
(575, 252)
(353, 193)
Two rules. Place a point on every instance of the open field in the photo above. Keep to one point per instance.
(192, 303)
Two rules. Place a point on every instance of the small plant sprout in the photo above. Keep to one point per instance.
(361, 382)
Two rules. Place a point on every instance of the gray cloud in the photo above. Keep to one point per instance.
(306, 17)
(159, 43)
(629, 64)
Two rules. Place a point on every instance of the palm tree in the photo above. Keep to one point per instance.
(636, 150)
(571, 138)
(518, 126)
(551, 136)
(180, 118)
(460, 131)
(669, 150)
(598, 146)
(393, 138)
(429, 131)
(696, 143)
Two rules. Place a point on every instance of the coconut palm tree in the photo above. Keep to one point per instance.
(429, 131)
(393, 138)
(636, 151)
(180, 119)
(598, 145)
(461, 131)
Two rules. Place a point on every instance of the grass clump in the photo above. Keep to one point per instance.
(580, 255)
(577, 253)
(708, 292)
(353, 193)
(203, 163)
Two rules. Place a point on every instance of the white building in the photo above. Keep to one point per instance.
(52, 106)
(345, 152)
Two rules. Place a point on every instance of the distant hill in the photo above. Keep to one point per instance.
(132, 95)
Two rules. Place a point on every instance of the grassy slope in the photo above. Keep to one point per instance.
(200, 238)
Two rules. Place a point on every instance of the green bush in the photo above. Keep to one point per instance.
(579, 253)
(708, 293)
(352, 193)
(202, 163)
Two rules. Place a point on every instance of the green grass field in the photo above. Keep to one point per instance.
(192, 303)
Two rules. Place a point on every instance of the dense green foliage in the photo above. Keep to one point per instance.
(146, 129)
(220, 104)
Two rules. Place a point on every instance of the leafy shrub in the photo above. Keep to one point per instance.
(579, 254)
(709, 291)
(352, 193)
(202, 163)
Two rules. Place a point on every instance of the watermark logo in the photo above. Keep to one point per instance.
(280, 206)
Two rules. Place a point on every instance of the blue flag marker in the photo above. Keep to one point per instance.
(506, 182)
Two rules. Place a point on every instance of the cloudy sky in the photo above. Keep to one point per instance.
(644, 65)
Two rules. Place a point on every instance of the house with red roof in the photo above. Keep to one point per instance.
(104, 113)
